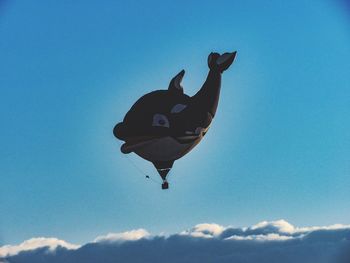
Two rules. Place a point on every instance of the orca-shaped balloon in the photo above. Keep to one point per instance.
(164, 125)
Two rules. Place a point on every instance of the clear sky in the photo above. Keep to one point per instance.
(279, 146)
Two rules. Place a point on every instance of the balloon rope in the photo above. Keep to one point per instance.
(169, 175)
(140, 171)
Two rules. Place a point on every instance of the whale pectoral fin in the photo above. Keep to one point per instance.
(221, 62)
(175, 83)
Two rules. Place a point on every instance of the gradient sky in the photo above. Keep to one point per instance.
(279, 146)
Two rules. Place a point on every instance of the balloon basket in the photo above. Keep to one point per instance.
(165, 185)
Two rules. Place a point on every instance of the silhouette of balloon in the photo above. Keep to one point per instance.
(164, 125)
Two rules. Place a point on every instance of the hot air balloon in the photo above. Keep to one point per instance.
(164, 125)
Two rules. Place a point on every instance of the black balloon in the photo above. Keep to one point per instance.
(164, 125)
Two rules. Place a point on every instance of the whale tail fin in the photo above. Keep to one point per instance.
(221, 62)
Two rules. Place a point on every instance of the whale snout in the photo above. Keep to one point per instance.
(132, 142)
(137, 142)
(119, 131)
(153, 140)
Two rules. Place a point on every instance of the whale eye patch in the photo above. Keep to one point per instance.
(178, 108)
(160, 120)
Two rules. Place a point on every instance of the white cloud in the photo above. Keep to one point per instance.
(53, 243)
(208, 242)
(204, 230)
(314, 228)
(125, 236)
(34, 243)
(282, 226)
(268, 237)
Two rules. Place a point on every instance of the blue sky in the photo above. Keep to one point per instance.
(279, 146)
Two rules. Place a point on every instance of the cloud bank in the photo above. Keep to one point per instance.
(276, 241)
